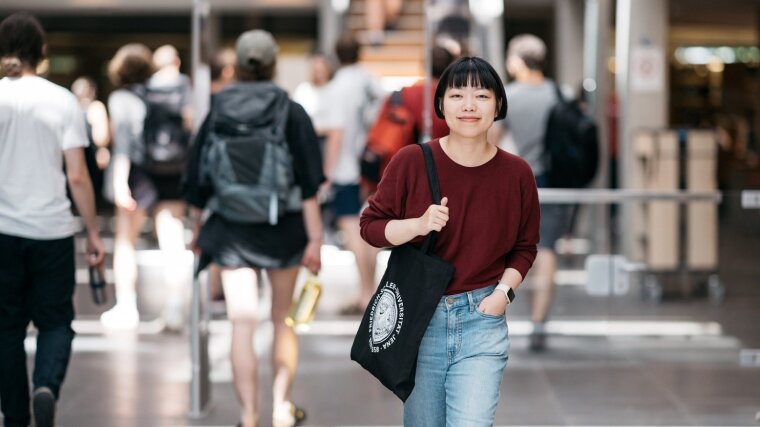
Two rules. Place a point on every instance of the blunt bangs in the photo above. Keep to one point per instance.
(475, 72)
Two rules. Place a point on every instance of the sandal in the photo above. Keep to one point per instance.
(294, 416)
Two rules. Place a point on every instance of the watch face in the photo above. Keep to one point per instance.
(511, 295)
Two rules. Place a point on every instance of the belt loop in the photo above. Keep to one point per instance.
(470, 300)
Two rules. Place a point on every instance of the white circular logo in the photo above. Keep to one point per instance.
(386, 317)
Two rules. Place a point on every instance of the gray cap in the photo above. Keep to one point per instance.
(258, 45)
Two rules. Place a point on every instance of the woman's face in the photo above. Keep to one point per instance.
(469, 111)
(320, 71)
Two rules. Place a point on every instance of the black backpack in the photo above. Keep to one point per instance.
(164, 135)
(571, 146)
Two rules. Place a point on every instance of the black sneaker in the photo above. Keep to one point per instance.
(43, 407)
(537, 342)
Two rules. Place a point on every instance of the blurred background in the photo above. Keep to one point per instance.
(656, 318)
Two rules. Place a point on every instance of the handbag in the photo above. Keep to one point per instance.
(395, 321)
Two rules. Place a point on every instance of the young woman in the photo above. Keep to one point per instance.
(242, 248)
(488, 229)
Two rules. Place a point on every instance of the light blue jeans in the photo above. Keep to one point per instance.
(460, 365)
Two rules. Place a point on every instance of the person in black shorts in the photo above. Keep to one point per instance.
(243, 248)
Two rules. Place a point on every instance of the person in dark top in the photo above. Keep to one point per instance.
(413, 97)
(243, 248)
(488, 223)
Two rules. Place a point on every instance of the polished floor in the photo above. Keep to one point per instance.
(621, 360)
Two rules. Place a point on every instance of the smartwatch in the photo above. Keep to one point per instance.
(508, 292)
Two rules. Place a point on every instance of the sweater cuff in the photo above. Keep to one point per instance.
(519, 263)
(374, 233)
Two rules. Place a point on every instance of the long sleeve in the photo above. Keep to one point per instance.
(388, 203)
(524, 251)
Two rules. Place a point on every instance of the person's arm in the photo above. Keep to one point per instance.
(400, 231)
(519, 260)
(127, 115)
(384, 223)
(121, 193)
(333, 142)
(97, 117)
(313, 223)
(307, 165)
(84, 198)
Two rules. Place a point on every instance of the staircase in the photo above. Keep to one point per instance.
(400, 60)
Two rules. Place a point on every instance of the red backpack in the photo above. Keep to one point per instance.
(393, 130)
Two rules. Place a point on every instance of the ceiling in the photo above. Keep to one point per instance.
(149, 6)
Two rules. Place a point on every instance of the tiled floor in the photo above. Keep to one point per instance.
(586, 379)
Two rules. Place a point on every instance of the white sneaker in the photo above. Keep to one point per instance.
(174, 320)
(120, 317)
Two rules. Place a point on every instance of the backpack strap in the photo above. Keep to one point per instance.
(281, 124)
(396, 99)
(560, 96)
(435, 191)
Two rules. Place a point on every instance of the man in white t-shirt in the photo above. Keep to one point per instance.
(41, 130)
(355, 96)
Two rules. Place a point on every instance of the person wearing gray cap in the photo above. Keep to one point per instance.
(250, 121)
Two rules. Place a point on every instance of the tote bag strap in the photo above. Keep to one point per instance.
(435, 191)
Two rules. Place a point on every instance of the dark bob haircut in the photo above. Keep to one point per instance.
(475, 72)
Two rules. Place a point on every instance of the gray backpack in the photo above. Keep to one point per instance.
(246, 159)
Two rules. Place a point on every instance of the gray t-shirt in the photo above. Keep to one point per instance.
(529, 107)
(127, 113)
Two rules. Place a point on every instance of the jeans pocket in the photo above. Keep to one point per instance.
(490, 316)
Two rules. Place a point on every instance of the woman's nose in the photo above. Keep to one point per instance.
(469, 104)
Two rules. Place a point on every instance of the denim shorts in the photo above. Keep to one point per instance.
(556, 220)
(346, 200)
(460, 365)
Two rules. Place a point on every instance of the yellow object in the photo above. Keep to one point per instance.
(302, 310)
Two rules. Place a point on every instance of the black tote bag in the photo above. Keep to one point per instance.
(395, 321)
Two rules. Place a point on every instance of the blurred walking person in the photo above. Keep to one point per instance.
(98, 131)
(252, 130)
(360, 95)
(41, 129)
(141, 187)
(532, 97)
(170, 96)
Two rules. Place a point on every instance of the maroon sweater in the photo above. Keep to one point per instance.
(493, 213)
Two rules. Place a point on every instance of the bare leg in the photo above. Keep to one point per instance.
(375, 15)
(365, 255)
(285, 348)
(240, 285)
(124, 314)
(545, 268)
(392, 9)
(543, 292)
(177, 274)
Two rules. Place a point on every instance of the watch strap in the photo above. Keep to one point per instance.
(508, 292)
